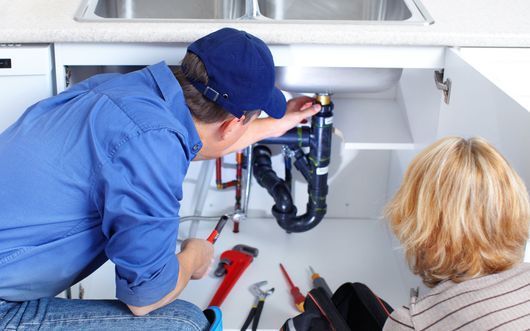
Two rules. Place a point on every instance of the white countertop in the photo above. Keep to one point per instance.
(484, 23)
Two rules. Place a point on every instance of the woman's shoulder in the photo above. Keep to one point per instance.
(517, 275)
(450, 304)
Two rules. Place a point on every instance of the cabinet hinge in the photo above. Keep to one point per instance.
(443, 85)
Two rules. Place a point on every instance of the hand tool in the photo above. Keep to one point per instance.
(298, 298)
(232, 264)
(257, 308)
(320, 282)
(218, 228)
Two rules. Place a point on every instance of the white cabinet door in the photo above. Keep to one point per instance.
(507, 68)
(489, 99)
(25, 78)
(478, 107)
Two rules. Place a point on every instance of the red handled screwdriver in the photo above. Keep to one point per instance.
(218, 228)
(295, 291)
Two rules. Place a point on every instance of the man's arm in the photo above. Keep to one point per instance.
(298, 109)
(194, 261)
(138, 195)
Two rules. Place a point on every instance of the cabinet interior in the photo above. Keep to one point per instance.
(377, 135)
(371, 128)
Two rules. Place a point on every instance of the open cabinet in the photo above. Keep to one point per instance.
(378, 134)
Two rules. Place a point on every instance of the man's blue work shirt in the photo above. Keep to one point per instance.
(96, 173)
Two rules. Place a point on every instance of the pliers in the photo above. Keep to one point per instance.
(257, 308)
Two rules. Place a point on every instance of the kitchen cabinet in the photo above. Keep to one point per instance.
(25, 78)
(378, 134)
(480, 108)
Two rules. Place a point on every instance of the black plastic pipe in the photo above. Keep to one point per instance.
(314, 168)
(295, 137)
(300, 162)
(288, 168)
(266, 177)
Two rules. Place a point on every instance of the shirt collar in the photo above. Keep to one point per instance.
(173, 95)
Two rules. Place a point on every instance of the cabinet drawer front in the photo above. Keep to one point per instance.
(25, 60)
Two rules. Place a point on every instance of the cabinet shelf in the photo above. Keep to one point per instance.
(372, 124)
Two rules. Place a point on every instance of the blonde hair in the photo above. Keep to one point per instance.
(461, 212)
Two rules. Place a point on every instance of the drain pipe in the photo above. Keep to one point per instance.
(267, 178)
(252, 11)
(295, 137)
(313, 166)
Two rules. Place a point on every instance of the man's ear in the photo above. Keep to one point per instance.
(230, 127)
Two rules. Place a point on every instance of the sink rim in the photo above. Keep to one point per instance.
(419, 16)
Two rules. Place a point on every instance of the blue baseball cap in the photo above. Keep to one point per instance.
(240, 72)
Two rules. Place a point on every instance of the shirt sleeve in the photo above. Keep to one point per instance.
(140, 199)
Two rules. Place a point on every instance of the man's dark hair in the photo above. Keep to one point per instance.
(201, 108)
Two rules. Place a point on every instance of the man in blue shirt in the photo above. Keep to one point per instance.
(96, 173)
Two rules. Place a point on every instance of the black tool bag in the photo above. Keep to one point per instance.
(352, 307)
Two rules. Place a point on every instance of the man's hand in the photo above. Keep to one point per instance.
(200, 252)
(298, 109)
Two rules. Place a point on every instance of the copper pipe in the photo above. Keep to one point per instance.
(239, 177)
(237, 182)
(218, 176)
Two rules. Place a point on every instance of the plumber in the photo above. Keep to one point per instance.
(96, 173)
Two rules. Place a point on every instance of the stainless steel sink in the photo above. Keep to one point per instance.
(353, 11)
(347, 10)
(291, 78)
(166, 9)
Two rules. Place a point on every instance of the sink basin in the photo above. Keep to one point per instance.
(360, 11)
(336, 80)
(166, 9)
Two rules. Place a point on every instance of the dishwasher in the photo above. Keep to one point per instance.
(25, 78)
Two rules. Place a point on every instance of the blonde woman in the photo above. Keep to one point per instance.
(462, 216)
